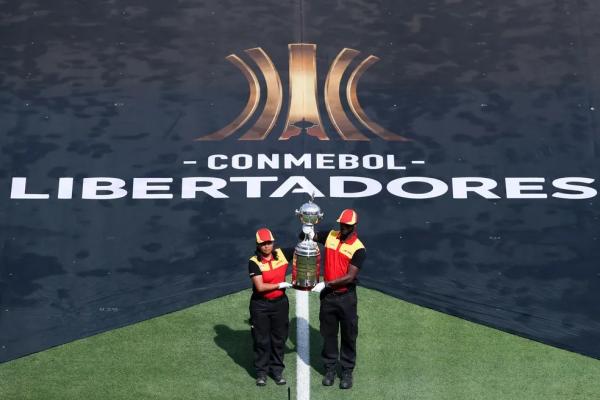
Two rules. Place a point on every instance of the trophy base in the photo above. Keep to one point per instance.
(303, 288)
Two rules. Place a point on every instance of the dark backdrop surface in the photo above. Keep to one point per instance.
(122, 89)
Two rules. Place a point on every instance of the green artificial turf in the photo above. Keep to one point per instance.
(204, 352)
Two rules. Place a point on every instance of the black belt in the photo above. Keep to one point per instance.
(271, 300)
(338, 292)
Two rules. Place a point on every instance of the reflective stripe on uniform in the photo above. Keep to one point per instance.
(339, 254)
(273, 264)
(273, 271)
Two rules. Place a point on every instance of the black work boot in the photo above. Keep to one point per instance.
(261, 380)
(279, 379)
(329, 377)
(346, 381)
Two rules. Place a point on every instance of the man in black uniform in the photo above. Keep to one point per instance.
(344, 256)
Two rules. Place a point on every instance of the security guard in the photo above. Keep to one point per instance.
(269, 307)
(344, 256)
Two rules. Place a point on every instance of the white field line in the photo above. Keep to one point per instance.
(303, 346)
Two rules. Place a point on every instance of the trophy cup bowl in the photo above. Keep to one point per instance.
(307, 256)
(307, 260)
(309, 213)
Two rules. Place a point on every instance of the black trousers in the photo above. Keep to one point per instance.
(270, 326)
(338, 313)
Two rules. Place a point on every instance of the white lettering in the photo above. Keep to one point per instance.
(460, 187)
(396, 187)
(391, 163)
(516, 188)
(212, 161)
(18, 191)
(325, 161)
(581, 192)
(241, 161)
(91, 187)
(373, 161)
(189, 187)
(289, 160)
(305, 187)
(253, 184)
(143, 186)
(263, 160)
(348, 161)
(65, 188)
(337, 186)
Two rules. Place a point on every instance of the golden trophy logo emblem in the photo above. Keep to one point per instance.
(303, 116)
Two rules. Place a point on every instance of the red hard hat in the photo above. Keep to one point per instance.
(348, 217)
(264, 235)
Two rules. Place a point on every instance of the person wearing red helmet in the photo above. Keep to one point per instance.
(269, 307)
(344, 256)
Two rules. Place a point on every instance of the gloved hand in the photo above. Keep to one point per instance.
(309, 231)
(284, 285)
(318, 287)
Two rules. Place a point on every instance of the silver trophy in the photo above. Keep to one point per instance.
(307, 257)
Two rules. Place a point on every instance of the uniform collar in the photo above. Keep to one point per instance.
(350, 239)
(265, 260)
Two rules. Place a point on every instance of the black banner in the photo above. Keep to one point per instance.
(469, 150)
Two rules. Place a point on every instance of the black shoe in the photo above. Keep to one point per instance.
(279, 379)
(261, 380)
(329, 377)
(346, 381)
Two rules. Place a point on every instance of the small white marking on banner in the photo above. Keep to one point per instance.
(417, 162)
(190, 162)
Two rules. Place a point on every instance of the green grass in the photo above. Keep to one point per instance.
(204, 352)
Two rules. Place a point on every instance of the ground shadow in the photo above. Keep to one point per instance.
(238, 346)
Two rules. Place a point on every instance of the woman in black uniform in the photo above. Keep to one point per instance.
(269, 307)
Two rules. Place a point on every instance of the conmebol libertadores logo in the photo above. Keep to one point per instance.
(341, 175)
(303, 114)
